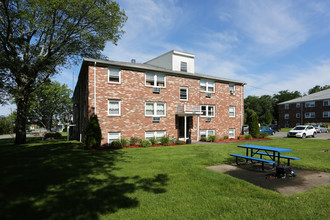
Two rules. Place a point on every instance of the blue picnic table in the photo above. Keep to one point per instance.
(271, 152)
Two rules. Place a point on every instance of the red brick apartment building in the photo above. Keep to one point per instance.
(163, 96)
(310, 109)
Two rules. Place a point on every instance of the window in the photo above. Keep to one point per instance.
(156, 134)
(286, 106)
(184, 66)
(297, 105)
(232, 88)
(114, 107)
(208, 110)
(114, 75)
(184, 93)
(286, 116)
(231, 132)
(310, 115)
(155, 80)
(309, 104)
(206, 133)
(113, 136)
(297, 115)
(326, 102)
(326, 114)
(207, 86)
(155, 109)
(232, 111)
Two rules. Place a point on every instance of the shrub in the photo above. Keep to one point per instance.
(203, 139)
(212, 138)
(225, 137)
(124, 142)
(179, 142)
(240, 137)
(248, 136)
(133, 141)
(93, 134)
(263, 134)
(56, 135)
(144, 143)
(253, 125)
(165, 141)
(116, 144)
(153, 140)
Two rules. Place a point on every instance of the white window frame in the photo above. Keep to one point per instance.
(114, 70)
(326, 102)
(119, 104)
(297, 115)
(286, 116)
(298, 105)
(309, 114)
(155, 76)
(326, 114)
(183, 66)
(205, 132)
(232, 87)
(207, 86)
(309, 104)
(232, 133)
(232, 110)
(155, 134)
(207, 111)
(286, 106)
(155, 104)
(113, 133)
(187, 93)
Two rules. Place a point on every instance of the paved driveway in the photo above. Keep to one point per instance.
(325, 136)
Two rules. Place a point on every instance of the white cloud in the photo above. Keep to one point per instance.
(271, 25)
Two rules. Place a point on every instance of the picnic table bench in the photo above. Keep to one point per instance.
(273, 152)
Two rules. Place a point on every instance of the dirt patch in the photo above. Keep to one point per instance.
(304, 180)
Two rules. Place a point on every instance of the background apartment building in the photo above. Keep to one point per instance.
(310, 109)
(163, 96)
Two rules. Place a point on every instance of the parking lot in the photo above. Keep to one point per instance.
(325, 136)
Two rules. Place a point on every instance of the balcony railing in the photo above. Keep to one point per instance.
(188, 110)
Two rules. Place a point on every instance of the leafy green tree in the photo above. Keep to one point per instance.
(254, 125)
(50, 103)
(93, 133)
(268, 117)
(318, 88)
(38, 36)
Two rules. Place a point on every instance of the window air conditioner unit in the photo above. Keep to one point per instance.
(156, 90)
(232, 92)
(156, 119)
(208, 95)
(208, 119)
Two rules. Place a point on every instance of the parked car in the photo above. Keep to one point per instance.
(320, 128)
(275, 127)
(302, 131)
(267, 129)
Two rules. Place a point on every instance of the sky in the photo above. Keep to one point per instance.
(270, 45)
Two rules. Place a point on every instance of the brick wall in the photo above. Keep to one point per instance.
(133, 94)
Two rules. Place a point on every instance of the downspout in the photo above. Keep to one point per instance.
(95, 88)
(242, 108)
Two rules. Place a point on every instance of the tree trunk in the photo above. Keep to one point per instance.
(22, 106)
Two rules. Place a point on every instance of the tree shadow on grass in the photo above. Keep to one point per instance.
(59, 180)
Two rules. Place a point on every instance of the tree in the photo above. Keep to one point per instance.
(49, 103)
(254, 125)
(38, 36)
(93, 133)
(318, 88)
(268, 117)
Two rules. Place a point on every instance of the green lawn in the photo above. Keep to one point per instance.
(60, 180)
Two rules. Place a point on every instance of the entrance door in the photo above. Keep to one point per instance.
(180, 126)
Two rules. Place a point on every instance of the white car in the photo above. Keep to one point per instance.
(302, 131)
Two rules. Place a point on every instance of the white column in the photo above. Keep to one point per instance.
(185, 128)
(197, 127)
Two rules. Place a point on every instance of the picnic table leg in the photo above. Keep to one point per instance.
(288, 162)
(278, 159)
(274, 158)
(247, 154)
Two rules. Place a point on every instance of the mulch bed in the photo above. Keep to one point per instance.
(239, 140)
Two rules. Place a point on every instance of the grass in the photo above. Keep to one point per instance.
(56, 179)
